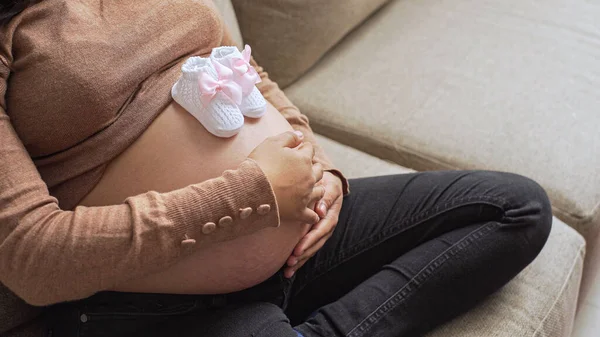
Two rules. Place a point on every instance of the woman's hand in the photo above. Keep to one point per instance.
(328, 208)
(288, 164)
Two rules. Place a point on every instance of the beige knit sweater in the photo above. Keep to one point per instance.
(79, 82)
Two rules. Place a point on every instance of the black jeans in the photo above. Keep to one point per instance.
(409, 253)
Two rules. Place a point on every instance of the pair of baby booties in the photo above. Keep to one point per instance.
(220, 90)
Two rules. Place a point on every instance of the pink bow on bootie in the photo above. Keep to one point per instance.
(224, 83)
(247, 75)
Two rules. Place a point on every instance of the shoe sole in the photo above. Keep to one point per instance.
(256, 113)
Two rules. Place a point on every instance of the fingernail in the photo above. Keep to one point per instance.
(323, 207)
(299, 134)
(293, 262)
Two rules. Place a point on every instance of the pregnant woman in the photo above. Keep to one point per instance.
(123, 216)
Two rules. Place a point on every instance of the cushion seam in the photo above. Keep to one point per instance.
(561, 292)
(587, 217)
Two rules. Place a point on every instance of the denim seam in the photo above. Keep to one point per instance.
(424, 275)
(418, 219)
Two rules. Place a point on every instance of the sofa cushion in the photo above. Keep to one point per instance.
(540, 301)
(226, 9)
(504, 85)
(289, 36)
(357, 164)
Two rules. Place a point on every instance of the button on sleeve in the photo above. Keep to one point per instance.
(209, 227)
(245, 212)
(225, 222)
(263, 209)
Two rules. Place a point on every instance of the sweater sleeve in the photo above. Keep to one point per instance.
(291, 113)
(49, 255)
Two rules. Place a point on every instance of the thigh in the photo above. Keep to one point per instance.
(114, 314)
(385, 217)
(252, 319)
(118, 314)
(256, 319)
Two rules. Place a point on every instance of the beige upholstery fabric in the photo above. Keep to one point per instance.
(357, 164)
(226, 9)
(541, 301)
(507, 85)
(289, 36)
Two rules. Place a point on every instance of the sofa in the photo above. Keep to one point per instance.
(394, 86)
(509, 85)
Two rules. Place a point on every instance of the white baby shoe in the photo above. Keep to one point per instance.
(253, 103)
(208, 91)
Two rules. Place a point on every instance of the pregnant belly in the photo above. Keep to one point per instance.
(176, 151)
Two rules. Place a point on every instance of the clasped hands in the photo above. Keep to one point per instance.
(304, 192)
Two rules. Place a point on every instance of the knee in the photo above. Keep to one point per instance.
(528, 208)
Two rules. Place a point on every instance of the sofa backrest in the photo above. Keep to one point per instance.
(290, 36)
(226, 9)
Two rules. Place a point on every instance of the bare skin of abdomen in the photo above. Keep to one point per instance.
(176, 151)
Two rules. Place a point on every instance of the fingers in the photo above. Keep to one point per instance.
(324, 203)
(289, 272)
(312, 250)
(319, 231)
(317, 193)
(321, 208)
(309, 216)
(292, 261)
(289, 139)
(317, 172)
(295, 263)
(308, 150)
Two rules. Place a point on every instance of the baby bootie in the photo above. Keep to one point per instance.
(253, 103)
(209, 93)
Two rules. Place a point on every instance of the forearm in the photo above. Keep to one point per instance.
(297, 120)
(48, 255)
